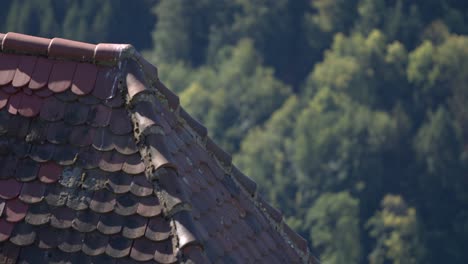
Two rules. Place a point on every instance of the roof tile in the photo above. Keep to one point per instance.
(24, 71)
(84, 79)
(61, 76)
(110, 223)
(100, 203)
(8, 66)
(32, 192)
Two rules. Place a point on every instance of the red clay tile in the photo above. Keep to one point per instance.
(149, 206)
(32, 192)
(61, 76)
(99, 116)
(84, 79)
(8, 65)
(110, 53)
(3, 99)
(120, 123)
(50, 172)
(106, 83)
(158, 229)
(24, 71)
(30, 105)
(41, 73)
(15, 210)
(5, 229)
(24, 43)
(14, 103)
(10, 188)
(110, 223)
(64, 48)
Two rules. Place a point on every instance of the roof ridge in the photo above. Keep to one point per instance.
(60, 48)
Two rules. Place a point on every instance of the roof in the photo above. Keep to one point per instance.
(100, 164)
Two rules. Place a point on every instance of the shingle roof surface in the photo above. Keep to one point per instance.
(100, 164)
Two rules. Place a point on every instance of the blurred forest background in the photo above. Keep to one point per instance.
(351, 115)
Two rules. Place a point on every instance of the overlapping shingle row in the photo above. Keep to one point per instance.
(99, 163)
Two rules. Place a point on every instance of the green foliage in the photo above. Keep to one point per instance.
(335, 228)
(396, 231)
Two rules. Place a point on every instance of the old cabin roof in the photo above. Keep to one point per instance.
(100, 164)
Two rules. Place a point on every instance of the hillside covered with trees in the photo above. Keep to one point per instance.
(351, 115)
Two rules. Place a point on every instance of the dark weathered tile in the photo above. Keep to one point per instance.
(95, 243)
(158, 229)
(118, 246)
(110, 223)
(23, 234)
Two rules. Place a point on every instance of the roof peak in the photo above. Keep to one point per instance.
(60, 48)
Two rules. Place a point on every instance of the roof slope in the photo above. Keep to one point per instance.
(99, 163)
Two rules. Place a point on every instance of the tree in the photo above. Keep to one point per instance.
(396, 232)
(335, 228)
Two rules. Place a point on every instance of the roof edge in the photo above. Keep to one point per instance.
(59, 48)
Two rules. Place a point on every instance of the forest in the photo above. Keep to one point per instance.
(351, 115)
